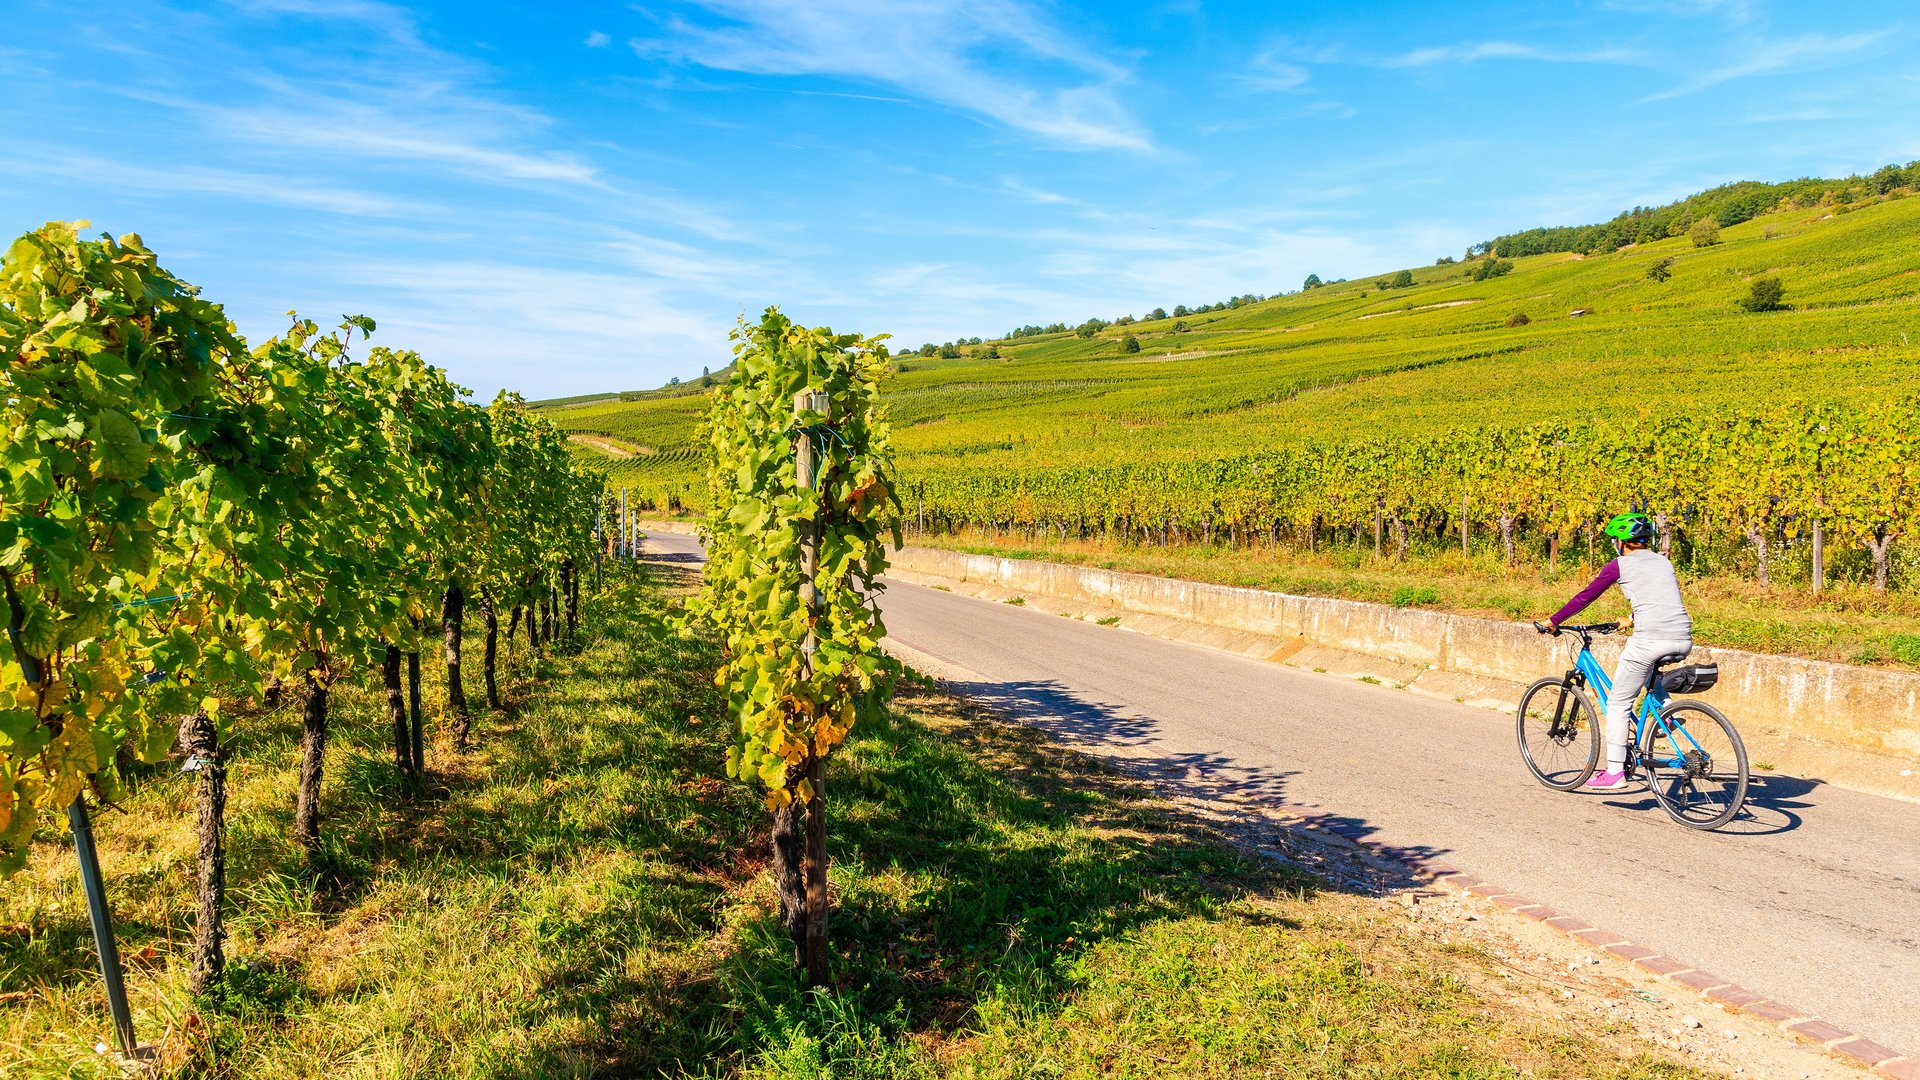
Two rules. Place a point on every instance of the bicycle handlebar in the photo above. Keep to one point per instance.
(1592, 628)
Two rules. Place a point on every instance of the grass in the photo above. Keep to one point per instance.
(582, 894)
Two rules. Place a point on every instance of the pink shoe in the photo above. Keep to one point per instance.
(1607, 781)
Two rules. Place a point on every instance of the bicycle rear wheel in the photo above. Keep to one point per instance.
(1696, 765)
(1559, 734)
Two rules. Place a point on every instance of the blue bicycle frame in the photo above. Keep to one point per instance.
(1651, 706)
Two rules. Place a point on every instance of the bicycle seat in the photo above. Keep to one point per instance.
(1660, 664)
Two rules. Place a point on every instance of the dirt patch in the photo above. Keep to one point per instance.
(613, 447)
(1423, 307)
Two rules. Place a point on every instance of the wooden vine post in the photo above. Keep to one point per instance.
(806, 480)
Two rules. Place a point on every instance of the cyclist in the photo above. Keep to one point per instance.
(1661, 627)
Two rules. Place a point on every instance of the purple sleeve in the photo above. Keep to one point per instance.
(1609, 576)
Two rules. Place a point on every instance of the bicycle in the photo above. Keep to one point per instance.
(1694, 761)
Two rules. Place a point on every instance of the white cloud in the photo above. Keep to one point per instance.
(1269, 72)
(262, 188)
(873, 40)
(597, 40)
(1732, 10)
(1768, 57)
(1032, 194)
(539, 330)
(680, 263)
(445, 129)
(1474, 51)
(397, 22)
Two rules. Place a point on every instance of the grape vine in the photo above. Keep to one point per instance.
(798, 675)
(185, 519)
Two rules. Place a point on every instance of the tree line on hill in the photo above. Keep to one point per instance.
(1728, 204)
(1700, 216)
(1096, 324)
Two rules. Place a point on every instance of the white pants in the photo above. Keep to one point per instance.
(1629, 677)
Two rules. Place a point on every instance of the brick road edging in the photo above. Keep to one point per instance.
(1796, 1022)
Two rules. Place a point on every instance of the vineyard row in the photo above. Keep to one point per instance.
(1748, 477)
(188, 521)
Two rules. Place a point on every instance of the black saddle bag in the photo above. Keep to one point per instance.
(1691, 678)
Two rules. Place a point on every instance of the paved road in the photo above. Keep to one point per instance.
(1813, 899)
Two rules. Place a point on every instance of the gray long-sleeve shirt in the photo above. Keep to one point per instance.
(1653, 592)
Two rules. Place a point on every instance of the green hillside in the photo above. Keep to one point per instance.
(1351, 360)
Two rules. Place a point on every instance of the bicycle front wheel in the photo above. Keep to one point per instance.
(1696, 765)
(1559, 734)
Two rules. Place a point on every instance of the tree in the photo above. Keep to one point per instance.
(1490, 268)
(1129, 344)
(1765, 294)
(1085, 331)
(1181, 310)
(1157, 313)
(1180, 326)
(1313, 282)
(1705, 233)
(1660, 269)
(1519, 318)
(949, 351)
(1403, 279)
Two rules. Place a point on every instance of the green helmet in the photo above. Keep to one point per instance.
(1634, 527)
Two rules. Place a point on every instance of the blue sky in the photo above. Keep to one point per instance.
(569, 198)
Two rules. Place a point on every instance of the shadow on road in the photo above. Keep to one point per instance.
(1240, 800)
(1772, 800)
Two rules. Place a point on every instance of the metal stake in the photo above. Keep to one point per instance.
(103, 944)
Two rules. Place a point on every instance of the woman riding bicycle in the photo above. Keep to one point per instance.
(1661, 627)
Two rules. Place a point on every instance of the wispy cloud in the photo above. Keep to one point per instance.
(396, 22)
(1768, 57)
(1738, 11)
(597, 40)
(438, 125)
(1032, 194)
(1470, 52)
(1269, 72)
(528, 309)
(268, 189)
(950, 42)
(682, 264)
